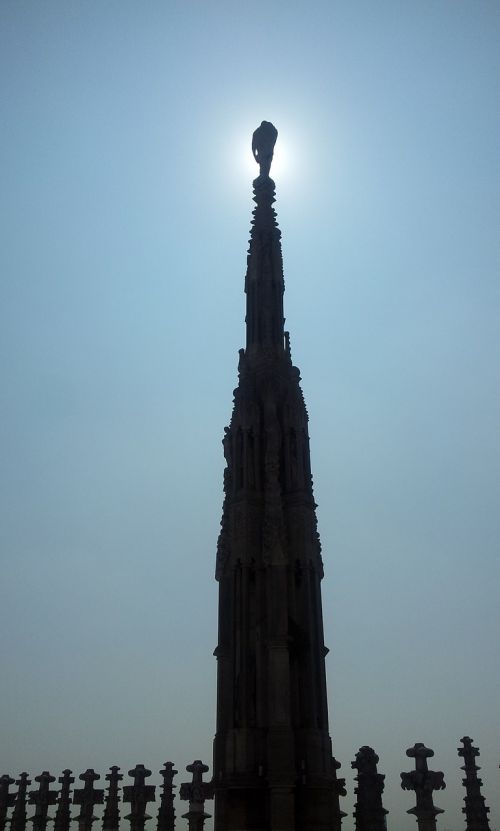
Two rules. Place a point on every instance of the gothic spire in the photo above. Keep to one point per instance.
(264, 283)
(273, 765)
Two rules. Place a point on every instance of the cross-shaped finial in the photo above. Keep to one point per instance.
(468, 751)
(196, 791)
(87, 797)
(168, 772)
(420, 753)
(423, 781)
(42, 798)
(138, 794)
(63, 818)
(18, 819)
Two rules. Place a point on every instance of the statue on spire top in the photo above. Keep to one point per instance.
(263, 141)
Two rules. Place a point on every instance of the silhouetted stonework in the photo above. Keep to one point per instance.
(63, 813)
(138, 794)
(475, 810)
(18, 821)
(423, 781)
(197, 791)
(273, 765)
(6, 798)
(42, 799)
(369, 812)
(111, 818)
(87, 798)
(166, 812)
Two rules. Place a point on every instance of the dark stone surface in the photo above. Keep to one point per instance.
(423, 781)
(475, 810)
(369, 812)
(273, 766)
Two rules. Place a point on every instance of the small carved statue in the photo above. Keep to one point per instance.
(263, 141)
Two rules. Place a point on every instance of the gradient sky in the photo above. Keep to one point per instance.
(125, 210)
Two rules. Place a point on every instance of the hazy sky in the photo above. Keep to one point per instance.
(125, 211)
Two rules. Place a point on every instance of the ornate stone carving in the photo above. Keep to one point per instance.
(166, 811)
(6, 799)
(475, 810)
(338, 791)
(369, 812)
(63, 816)
(111, 817)
(196, 791)
(18, 820)
(43, 798)
(423, 781)
(138, 794)
(87, 797)
(272, 710)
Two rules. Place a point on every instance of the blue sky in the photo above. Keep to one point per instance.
(125, 210)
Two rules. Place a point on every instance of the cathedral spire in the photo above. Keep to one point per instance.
(273, 764)
(264, 283)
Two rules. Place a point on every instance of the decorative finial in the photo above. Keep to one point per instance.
(475, 810)
(369, 812)
(423, 781)
(263, 141)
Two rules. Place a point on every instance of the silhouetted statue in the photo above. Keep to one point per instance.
(263, 141)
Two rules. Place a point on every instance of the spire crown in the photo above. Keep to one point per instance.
(264, 283)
